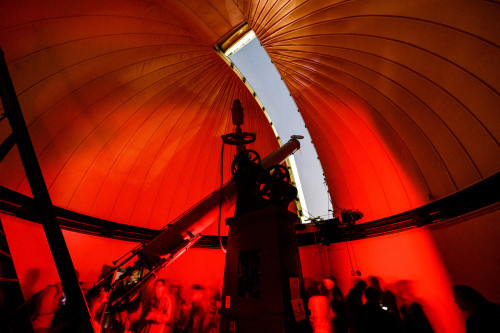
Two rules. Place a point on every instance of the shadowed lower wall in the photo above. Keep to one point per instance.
(421, 264)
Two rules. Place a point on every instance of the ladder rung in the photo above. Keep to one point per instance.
(5, 254)
(8, 280)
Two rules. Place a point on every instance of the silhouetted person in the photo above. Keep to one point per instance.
(158, 310)
(321, 313)
(336, 299)
(127, 318)
(388, 298)
(354, 303)
(213, 312)
(179, 315)
(46, 302)
(373, 318)
(69, 319)
(413, 316)
(197, 322)
(96, 298)
(484, 316)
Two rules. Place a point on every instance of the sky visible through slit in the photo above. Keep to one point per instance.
(254, 63)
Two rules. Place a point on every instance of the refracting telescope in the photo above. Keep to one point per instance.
(134, 270)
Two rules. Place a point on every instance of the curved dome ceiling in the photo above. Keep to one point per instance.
(125, 106)
(126, 100)
(400, 98)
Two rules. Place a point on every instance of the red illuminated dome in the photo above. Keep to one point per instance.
(126, 102)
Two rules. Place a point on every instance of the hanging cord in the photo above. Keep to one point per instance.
(347, 247)
(221, 196)
(349, 253)
(354, 256)
(352, 248)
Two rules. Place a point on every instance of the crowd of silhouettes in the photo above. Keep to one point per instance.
(166, 309)
(484, 316)
(169, 310)
(367, 308)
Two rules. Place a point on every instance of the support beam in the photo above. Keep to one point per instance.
(42, 200)
(7, 146)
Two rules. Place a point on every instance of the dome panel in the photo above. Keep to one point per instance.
(125, 108)
(394, 108)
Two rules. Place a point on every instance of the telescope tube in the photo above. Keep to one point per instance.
(206, 212)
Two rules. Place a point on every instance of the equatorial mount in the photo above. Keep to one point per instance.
(238, 139)
(259, 187)
(244, 160)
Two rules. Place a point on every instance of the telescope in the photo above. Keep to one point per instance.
(135, 269)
